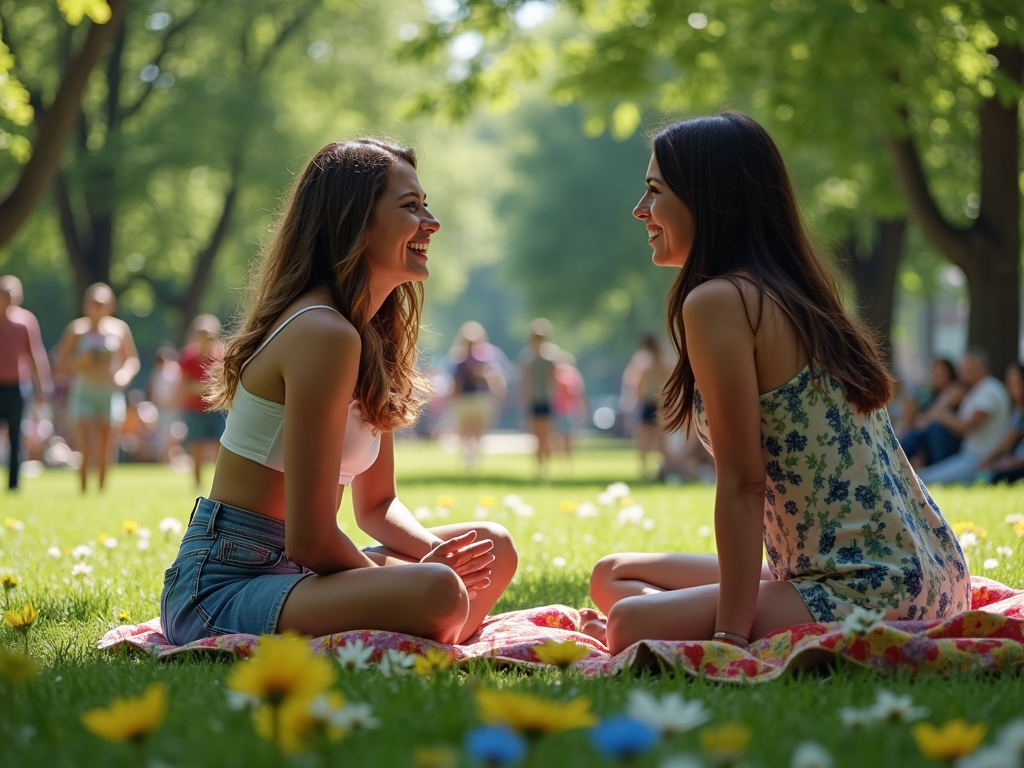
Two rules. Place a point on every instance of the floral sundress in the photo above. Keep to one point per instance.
(846, 519)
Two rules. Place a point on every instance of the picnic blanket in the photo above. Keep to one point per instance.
(989, 637)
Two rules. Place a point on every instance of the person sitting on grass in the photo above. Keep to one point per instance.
(319, 374)
(1005, 462)
(790, 390)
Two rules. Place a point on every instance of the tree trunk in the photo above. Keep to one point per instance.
(874, 275)
(55, 125)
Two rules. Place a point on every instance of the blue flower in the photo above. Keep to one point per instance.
(866, 496)
(494, 745)
(774, 471)
(772, 446)
(838, 490)
(795, 442)
(623, 738)
(791, 507)
(850, 554)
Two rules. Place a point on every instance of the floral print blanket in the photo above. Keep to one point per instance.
(989, 637)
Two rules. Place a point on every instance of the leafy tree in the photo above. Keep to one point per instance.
(56, 120)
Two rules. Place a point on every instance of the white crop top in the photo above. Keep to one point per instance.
(255, 426)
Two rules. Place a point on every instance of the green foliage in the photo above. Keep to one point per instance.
(40, 720)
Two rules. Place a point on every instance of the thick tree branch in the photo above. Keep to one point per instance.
(69, 229)
(953, 241)
(166, 43)
(55, 126)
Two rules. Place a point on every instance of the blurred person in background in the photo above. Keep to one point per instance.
(1005, 463)
(98, 352)
(568, 401)
(981, 421)
(204, 427)
(23, 364)
(478, 390)
(652, 371)
(163, 391)
(536, 386)
(923, 435)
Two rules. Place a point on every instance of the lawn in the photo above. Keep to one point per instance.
(40, 721)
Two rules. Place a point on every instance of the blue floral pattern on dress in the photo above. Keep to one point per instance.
(864, 530)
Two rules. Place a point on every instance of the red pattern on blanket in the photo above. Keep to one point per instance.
(989, 637)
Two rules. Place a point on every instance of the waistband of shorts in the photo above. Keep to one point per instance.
(216, 516)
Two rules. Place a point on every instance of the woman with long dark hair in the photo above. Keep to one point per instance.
(319, 374)
(790, 391)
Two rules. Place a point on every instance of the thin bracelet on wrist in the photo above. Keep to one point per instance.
(731, 637)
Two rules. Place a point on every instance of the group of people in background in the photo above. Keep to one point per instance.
(85, 396)
(967, 425)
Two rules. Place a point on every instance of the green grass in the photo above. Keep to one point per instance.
(39, 724)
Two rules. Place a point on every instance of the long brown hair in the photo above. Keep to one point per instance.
(320, 240)
(730, 174)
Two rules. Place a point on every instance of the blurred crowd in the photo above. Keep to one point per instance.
(79, 406)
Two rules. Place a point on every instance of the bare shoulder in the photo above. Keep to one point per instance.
(323, 337)
(719, 297)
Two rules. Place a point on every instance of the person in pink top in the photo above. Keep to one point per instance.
(204, 426)
(22, 357)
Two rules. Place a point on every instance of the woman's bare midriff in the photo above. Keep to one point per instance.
(247, 484)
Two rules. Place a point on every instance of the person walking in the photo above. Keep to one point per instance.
(204, 427)
(22, 361)
(537, 385)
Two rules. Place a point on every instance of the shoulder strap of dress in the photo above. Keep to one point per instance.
(782, 306)
(282, 325)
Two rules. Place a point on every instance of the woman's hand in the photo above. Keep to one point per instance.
(469, 558)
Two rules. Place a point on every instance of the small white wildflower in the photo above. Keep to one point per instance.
(989, 757)
(896, 709)
(682, 761)
(634, 514)
(586, 509)
(968, 539)
(81, 552)
(442, 511)
(811, 754)
(559, 561)
(605, 499)
(861, 621)
(81, 570)
(324, 711)
(354, 656)
(142, 544)
(670, 714)
(852, 717)
(1014, 519)
(395, 663)
(355, 716)
(143, 533)
(170, 526)
(110, 543)
(481, 512)
(617, 490)
(54, 552)
(1004, 551)
(537, 537)
(523, 510)
(990, 563)
(647, 524)
(1011, 737)
(704, 531)
(423, 513)
(511, 501)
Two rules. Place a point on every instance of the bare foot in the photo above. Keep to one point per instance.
(594, 624)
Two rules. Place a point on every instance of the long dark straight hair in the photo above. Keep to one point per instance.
(730, 174)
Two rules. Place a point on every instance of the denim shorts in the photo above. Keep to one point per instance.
(231, 575)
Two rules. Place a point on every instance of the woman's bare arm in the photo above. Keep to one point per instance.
(720, 344)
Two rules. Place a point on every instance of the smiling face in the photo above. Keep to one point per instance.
(670, 225)
(399, 236)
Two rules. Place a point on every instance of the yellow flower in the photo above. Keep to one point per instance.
(102, 538)
(281, 668)
(23, 619)
(568, 506)
(129, 719)
(432, 661)
(9, 580)
(725, 742)
(955, 739)
(1018, 528)
(124, 617)
(532, 715)
(965, 526)
(488, 501)
(130, 527)
(626, 501)
(434, 757)
(446, 501)
(561, 655)
(17, 667)
(14, 524)
(300, 719)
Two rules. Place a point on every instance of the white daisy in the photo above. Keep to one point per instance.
(861, 621)
(990, 563)
(110, 543)
(1013, 519)
(852, 717)
(586, 509)
(54, 552)
(511, 501)
(356, 715)
(81, 570)
(617, 490)
(142, 544)
(634, 514)
(704, 531)
(670, 714)
(170, 526)
(143, 533)
(81, 552)
(810, 754)
(481, 512)
(395, 663)
(1004, 551)
(354, 656)
(968, 539)
(559, 561)
(896, 709)
(523, 510)
(605, 499)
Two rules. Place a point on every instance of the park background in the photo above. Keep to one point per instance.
(901, 121)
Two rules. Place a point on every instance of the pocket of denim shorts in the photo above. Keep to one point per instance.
(243, 553)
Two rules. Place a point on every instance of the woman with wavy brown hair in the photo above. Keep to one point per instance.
(319, 374)
(791, 392)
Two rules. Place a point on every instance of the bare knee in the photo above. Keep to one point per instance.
(506, 557)
(600, 580)
(442, 602)
(624, 620)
